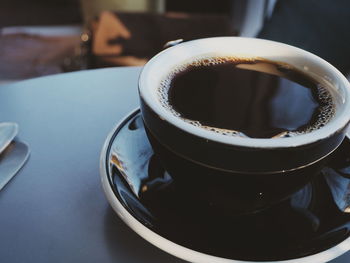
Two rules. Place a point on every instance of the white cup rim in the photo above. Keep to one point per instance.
(159, 66)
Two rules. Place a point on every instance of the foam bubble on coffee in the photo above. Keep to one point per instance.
(325, 110)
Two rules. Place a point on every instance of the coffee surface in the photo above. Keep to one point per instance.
(247, 98)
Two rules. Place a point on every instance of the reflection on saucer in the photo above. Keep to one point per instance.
(340, 188)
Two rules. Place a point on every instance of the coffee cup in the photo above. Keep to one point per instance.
(220, 164)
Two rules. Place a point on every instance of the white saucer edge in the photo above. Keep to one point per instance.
(183, 252)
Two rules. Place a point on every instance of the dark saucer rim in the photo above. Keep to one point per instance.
(187, 254)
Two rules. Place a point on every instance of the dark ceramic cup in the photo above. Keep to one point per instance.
(253, 173)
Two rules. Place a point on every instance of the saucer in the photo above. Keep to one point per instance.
(313, 225)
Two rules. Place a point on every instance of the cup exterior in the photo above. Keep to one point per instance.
(237, 159)
(243, 168)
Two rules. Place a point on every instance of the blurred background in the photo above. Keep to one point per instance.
(42, 37)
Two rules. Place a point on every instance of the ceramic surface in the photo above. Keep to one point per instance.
(313, 225)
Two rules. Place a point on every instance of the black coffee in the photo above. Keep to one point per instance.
(254, 98)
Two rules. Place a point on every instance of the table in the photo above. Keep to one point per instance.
(54, 209)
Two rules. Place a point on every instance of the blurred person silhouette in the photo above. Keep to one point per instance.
(319, 26)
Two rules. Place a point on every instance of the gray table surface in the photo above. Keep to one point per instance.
(54, 210)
